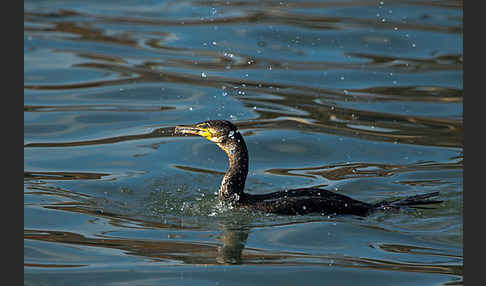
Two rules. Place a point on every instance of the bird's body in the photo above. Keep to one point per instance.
(288, 202)
(303, 201)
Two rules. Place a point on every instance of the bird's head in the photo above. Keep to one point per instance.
(218, 131)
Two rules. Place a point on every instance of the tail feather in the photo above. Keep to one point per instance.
(413, 201)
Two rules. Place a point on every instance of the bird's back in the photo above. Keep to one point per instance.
(304, 201)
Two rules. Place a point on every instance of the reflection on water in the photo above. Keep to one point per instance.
(363, 97)
(231, 252)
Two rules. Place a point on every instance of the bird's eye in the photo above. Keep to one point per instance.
(203, 126)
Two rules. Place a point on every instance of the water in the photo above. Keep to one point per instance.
(363, 98)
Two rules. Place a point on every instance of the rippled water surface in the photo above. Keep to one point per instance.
(361, 97)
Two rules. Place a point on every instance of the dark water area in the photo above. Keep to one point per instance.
(363, 98)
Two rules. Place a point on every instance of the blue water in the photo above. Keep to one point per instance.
(362, 98)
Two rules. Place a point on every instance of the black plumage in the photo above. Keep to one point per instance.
(288, 202)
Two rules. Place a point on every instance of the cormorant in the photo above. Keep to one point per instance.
(288, 202)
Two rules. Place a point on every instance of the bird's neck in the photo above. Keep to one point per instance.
(233, 183)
